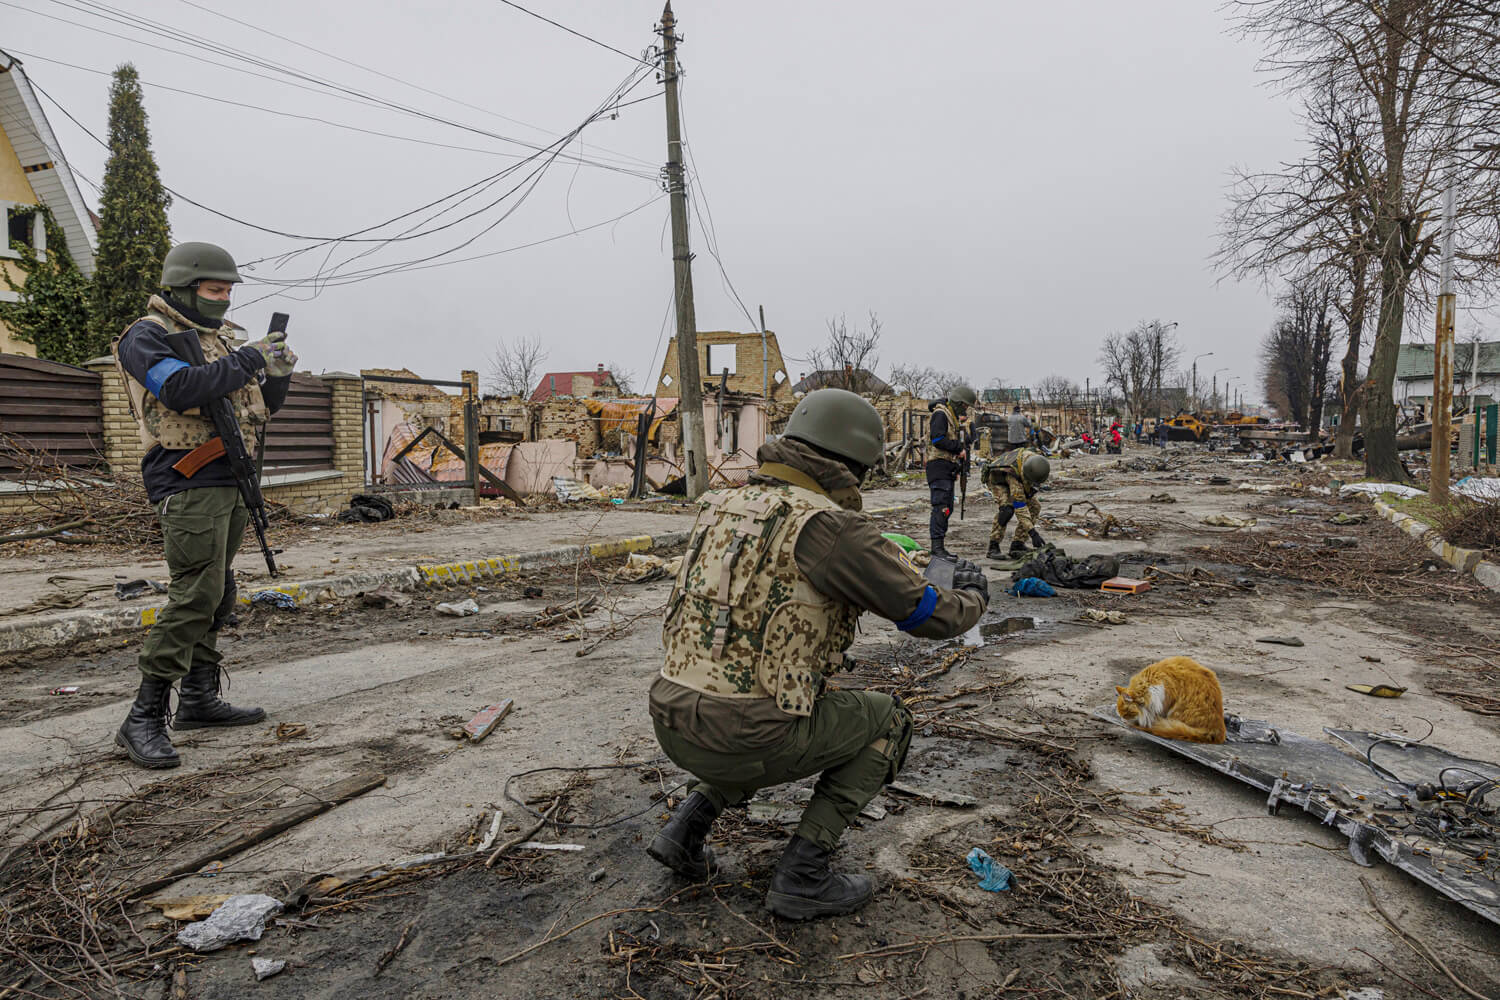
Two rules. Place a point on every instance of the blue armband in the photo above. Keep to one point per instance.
(925, 607)
(1017, 504)
(158, 374)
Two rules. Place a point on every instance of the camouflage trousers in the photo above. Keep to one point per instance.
(855, 740)
(1013, 502)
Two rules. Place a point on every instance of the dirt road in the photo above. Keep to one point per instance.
(1137, 874)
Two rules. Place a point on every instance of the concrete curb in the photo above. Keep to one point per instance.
(70, 626)
(1464, 560)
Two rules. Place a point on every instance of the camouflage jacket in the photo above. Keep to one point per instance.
(743, 620)
(161, 425)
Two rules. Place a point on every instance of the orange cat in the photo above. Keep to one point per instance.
(1176, 698)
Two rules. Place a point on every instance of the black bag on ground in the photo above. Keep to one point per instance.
(1059, 569)
(364, 508)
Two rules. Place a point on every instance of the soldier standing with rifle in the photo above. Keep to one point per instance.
(197, 399)
(950, 463)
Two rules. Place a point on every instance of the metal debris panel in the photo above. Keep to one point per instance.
(1403, 804)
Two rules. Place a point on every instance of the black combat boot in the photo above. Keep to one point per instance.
(199, 705)
(1018, 548)
(802, 887)
(938, 551)
(144, 732)
(994, 552)
(680, 844)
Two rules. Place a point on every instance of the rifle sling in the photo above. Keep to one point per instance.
(192, 463)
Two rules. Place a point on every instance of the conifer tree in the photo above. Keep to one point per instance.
(133, 235)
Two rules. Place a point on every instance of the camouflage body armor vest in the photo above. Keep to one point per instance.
(160, 425)
(743, 621)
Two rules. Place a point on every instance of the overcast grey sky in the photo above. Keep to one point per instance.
(1003, 183)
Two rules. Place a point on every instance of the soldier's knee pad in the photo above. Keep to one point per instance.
(896, 741)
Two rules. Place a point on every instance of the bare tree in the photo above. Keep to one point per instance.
(515, 367)
(1411, 72)
(1057, 389)
(1137, 363)
(1297, 353)
(849, 353)
(624, 377)
(916, 380)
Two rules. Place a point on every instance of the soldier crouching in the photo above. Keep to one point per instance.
(775, 578)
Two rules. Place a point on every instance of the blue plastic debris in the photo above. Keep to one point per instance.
(1031, 587)
(993, 876)
(274, 598)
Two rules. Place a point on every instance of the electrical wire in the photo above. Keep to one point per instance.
(386, 76)
(357, 235)
(319, 85)
(644, 175)
(576, 34)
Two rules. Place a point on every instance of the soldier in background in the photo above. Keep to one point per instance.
(1015, 479)
(195, 496)
(775, 577)
(947, 432)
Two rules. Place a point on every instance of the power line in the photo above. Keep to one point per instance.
(328, 88)
(577, 34)
(356, 277)
(357, 235)
(346, 126)
(387, 76)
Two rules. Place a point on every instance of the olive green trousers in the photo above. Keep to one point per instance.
(202, 530)
(856, 741)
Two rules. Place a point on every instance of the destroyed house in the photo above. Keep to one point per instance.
(749, 363)
(1476, 374)
(597, 384)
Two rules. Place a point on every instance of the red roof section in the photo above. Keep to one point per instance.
(561, 383)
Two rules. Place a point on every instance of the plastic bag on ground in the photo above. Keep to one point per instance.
(459, 609)
(1227, 521)
(1031, 587)
(1374, 490)
(1478, 488)
(241, 918)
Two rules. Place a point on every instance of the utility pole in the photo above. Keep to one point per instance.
(1442, 362)
(765, 358)
(690, 404)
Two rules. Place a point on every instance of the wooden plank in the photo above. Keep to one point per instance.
(38, 365)
(42, 390)
(263, 829)
(11, 373)
(11, 425)
(16, 408)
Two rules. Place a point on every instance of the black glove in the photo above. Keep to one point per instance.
(968, 576)
(1036, 539)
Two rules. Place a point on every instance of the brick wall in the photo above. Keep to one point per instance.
(749, 375)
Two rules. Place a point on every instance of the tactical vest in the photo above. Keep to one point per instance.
(743, 621)
(955, 427)
(175, 431)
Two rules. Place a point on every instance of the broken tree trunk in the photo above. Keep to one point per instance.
(275, 822)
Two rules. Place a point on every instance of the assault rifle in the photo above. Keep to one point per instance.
(227, 426)
(963, 472)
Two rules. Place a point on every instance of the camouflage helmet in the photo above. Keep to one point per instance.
(188, 263)
(962, 395)
(839, 421)
(1036, 469)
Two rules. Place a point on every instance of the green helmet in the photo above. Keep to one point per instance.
(962, 395)
(839, 421)
(188, 263)
(1036, 469)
